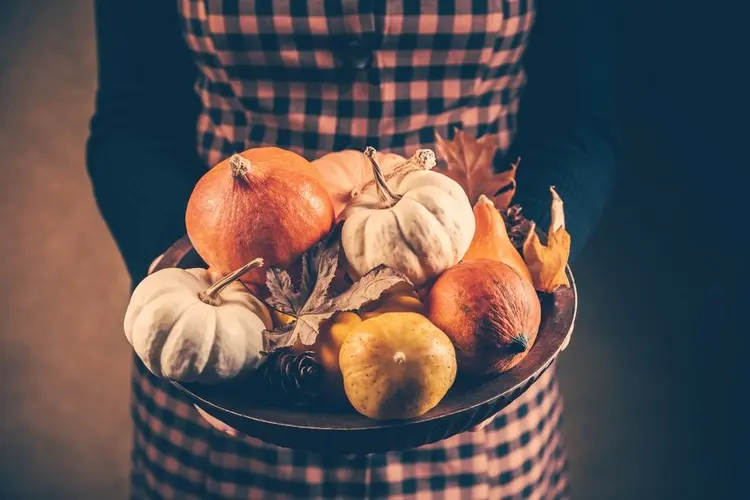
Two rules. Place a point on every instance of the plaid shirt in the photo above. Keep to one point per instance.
(316, 76)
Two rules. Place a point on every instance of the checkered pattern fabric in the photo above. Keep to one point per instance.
(176, 454)
(320, 76)
(316, 76)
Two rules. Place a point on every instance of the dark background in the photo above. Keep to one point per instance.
(654, 379)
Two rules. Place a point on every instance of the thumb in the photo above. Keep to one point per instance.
(484, 424)
(217, 424)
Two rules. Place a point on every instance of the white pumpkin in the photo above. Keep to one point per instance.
(420, 223)
(192, 325)
(345, 172)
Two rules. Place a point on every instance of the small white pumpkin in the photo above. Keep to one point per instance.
(346, 172)
(192, 325)
(420, 222)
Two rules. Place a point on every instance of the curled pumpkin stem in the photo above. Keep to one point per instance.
(211, 295)
(422, 159)
(387, 197)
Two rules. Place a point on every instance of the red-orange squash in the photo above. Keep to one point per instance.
(489, 311)
(264, 202)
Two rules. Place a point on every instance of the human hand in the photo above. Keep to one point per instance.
(218, 424)
(154, 263)
(483, 424)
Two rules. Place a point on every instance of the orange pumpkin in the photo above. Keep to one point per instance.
(491, 238)
(345, 172)
(264, 202)
(489, 311)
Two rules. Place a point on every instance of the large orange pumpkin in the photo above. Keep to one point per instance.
(264, 202)
(489, 311)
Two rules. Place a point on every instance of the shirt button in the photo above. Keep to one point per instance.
(358, 55)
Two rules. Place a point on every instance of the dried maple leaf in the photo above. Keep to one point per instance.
(470, 163)
(284, 298)
(317, 306)
(547, 261)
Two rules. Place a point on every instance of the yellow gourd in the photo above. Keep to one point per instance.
(331, 337)
(396, 365)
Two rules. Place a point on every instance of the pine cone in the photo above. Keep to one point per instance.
(292, 377)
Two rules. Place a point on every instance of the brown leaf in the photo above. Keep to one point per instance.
(557, 219)
(284, 298)
(368, 288)
(280, 337)
(547, 262)
(365, 290)
(470, 163)
(320, 306)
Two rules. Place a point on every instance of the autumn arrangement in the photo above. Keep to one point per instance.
(361, 280)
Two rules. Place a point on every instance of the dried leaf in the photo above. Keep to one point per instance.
(284, 298)
(326, 270)
(319, 306)
(309, 271)
(314, 258)
(547, 261)
(558, 214)
(470, 163)
(367, 289)
(280, 336)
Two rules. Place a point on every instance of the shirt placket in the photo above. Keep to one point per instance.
(358, 52)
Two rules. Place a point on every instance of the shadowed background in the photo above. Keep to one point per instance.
(650, 382)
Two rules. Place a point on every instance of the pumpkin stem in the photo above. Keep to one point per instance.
(399, 358)
(211, 294)
(425, 159)
(519, 343)
(240, 166)
(387, 197)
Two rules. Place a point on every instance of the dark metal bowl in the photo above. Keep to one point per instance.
(466, 405)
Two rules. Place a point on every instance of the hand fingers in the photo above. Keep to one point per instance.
(566, 342)
(218, 424)
(483, 424)
(154, 264)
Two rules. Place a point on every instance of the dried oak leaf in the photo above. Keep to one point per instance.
(311, 309)
(547, 261)
(470, 163)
